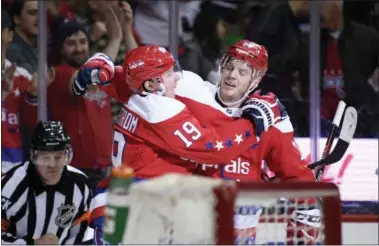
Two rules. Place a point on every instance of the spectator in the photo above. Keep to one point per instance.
(102, 28)
(152, 21)
(101, 33)
(187, 17)
(15, 82)
(87, 119)
(23, 49)
(229, 12)
(363, 12)
(98, 18)
(225, 9)
(205, 50)
(349, 57)
(273, 25)
(11, 144)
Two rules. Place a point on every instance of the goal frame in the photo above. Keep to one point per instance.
(328, 191)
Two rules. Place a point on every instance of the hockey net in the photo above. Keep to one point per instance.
(176, 209)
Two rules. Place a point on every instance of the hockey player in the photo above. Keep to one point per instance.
(147, 63)
(241, 71)
(185, 130)
(147, 160)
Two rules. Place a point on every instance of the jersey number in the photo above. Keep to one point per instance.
(190, 130)
(118, 147)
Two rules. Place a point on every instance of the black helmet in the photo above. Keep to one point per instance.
(50, 136)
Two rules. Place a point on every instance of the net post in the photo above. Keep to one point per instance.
(225, 196)
(332, 220)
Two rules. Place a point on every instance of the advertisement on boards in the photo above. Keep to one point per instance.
(356, 174)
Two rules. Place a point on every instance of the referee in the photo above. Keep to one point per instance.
(44, 200)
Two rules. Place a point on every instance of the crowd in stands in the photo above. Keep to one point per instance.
(77, 29)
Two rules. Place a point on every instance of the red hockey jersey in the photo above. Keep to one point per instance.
(162, 127)
(156, 135)
(276, 146)
(11, 107)
(154, 132)
(87, 119)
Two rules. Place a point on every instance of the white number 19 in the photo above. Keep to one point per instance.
(191, 130)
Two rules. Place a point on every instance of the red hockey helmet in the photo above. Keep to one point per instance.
(146, 63)
(253, 54)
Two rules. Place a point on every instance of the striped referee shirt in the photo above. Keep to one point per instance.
(30, 209)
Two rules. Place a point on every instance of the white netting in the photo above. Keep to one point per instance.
(176, 209)
(267, 218)
(172, 209)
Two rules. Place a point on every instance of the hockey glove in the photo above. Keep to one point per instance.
(263, 110)
(98, 70)
(304, 227)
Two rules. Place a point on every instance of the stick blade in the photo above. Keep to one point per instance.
(349, 125)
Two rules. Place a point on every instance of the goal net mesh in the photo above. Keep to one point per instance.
(176, 209)
(278, 221)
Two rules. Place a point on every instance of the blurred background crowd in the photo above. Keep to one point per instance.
(349, 57)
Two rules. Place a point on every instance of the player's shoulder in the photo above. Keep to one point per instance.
(194, 88)
(153, 108)
(191, 76)
(211, 87)
(189, 83)
(76, 176)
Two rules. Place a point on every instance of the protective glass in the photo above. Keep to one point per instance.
(177, 69)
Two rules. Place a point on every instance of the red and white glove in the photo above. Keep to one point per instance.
(98, 70)
(263, 110)
(304, 225)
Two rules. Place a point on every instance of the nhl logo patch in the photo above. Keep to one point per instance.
(65, 215)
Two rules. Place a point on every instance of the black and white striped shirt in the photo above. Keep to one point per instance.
(31, 209)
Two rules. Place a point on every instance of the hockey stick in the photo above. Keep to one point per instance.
(329, 142)
(348, 127)
(328, 145)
